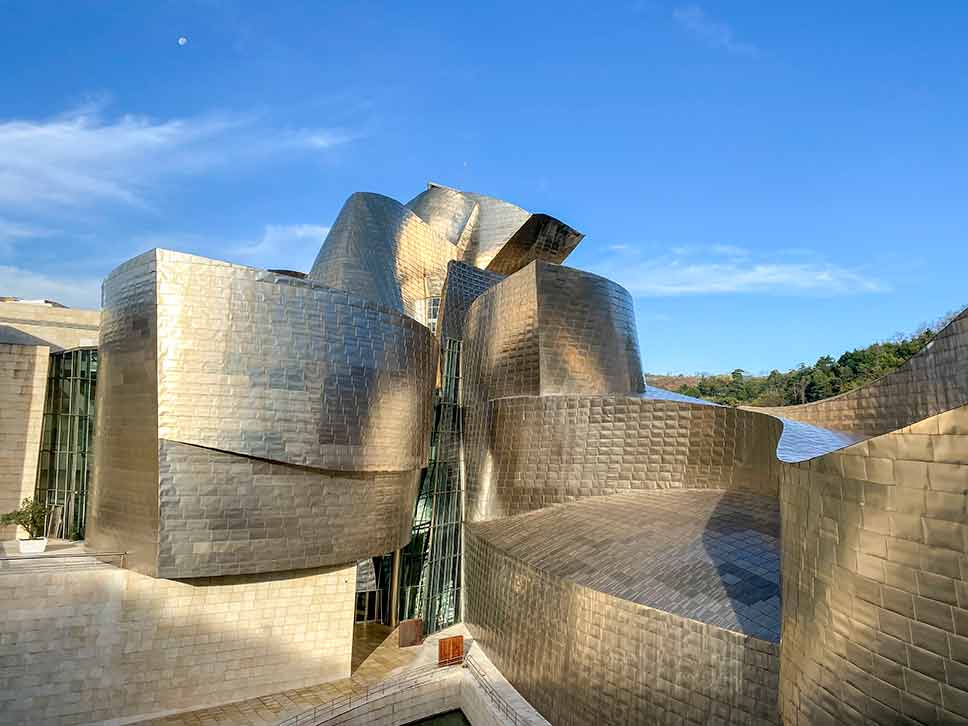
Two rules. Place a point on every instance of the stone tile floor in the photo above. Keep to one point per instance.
(709, 555)
(377, 664)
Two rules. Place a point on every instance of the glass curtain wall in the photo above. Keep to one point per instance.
(66, 441)
(430, 564)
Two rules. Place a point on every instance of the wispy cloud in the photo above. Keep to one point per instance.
(83, 157)
(84, 293)
(287, 246)
(11, 232)
(717, 269)
(714, 33)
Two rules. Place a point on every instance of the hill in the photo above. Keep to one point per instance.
(825, 378)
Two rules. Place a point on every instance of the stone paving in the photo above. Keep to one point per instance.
(708, 555)
(386, 658)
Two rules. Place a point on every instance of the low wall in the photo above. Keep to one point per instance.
(875, 604)
(584, 657)
(527, 452)
(82, 646)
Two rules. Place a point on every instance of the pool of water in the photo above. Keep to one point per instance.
(451, 718)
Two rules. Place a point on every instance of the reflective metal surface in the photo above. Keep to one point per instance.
(875, 615)
(253, 422)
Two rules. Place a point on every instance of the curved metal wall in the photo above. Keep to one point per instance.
(251, 422)
(875, 615)
(382, 251)
(525, 453)
(581, 656)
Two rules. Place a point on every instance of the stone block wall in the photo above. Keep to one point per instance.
(82, 646)
(23, 383)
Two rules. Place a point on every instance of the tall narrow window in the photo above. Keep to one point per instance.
(66, 443)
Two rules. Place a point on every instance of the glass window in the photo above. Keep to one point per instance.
(68, 429)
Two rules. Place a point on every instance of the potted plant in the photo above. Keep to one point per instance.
(32, 516)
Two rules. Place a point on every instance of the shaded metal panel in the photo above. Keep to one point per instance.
(287, 370)
(382, 251)
(225, 514)
(463, 286)
(123, 512)
(496, 223)
(540, 238)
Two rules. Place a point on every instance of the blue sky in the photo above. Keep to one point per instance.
(772, 183)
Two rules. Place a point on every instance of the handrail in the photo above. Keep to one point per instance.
(344, 704)
(341, 705)
(499, 701)
(56, 556)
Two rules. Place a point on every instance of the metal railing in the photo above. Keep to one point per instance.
(502, 705)
(345, 704)
(52, 556)
(342, 705)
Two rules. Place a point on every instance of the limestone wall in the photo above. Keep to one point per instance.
(23, 380)
(82, 646)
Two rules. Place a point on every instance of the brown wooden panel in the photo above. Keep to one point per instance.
(450, 650)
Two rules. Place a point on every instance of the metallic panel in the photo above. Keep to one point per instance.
(251, 422)
(449, 213)
(930, 382)
(284, 369)
(875, 617)
(705, 554)
(540, 238)
(226, 514)
(549, 330)
(123, 508)
(581, 656)
(382, 251)
(524, 453)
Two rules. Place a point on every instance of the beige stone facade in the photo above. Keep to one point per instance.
(85, 645)
(28, 334)
(23, 376)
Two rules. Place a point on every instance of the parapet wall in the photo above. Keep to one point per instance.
(584, 657)
(528, 452)
(84, 646)
(875, 606)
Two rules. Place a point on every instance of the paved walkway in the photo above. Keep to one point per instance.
(269, 710)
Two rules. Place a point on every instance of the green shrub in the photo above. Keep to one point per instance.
(32, 516)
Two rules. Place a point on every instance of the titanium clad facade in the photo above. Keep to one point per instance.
(581, 656)
(381, 250)
(254, 422)
(527, 452)
(875, 617)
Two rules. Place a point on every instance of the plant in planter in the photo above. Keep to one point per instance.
(32, 516)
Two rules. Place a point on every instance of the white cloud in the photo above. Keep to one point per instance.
(81, 158)
(11, 231)
(719, 270)
(285, 246)
(81, 293)
(714, 33)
